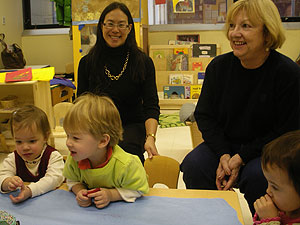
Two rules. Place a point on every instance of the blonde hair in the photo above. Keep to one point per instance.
(96, 115)
(260, 12)
(29, 116)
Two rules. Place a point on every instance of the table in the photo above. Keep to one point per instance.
(159, 206)
(229, 196)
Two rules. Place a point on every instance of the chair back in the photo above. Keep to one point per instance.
(163, 170)
(60, 110)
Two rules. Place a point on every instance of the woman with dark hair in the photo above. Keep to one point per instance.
(116, 67)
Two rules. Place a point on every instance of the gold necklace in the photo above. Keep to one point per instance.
(113, 77)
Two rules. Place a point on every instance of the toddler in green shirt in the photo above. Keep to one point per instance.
(97, 168)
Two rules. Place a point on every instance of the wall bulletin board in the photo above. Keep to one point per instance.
(91, 9)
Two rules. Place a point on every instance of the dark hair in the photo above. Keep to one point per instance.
(284, 152)
(96, 56)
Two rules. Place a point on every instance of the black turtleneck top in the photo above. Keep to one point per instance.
(136, 99)
(248, 107)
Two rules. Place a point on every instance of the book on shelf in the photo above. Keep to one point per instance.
(178, 62)
(174, 92)
(188, 79)
(204, 50)
(160, 60)
(175, 79)
(187, 92)
(200, 77)
(195, 91)
(197, 66)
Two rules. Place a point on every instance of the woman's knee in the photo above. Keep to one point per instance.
(201, 158)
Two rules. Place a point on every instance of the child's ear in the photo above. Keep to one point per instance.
(104, 141)
(47, 136)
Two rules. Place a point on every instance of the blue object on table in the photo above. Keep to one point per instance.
(59, 207)
(62, 81)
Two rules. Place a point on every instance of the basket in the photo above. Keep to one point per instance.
(9, 102)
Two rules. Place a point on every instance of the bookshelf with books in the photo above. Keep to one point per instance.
(180, 69)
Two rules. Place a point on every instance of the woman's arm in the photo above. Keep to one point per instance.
(151, 127)
(151, 107)
(82, 77)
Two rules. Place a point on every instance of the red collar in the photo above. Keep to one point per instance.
(85, 163)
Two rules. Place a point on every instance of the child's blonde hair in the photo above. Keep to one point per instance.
(29, 116)
(284, 152)
(96, 115)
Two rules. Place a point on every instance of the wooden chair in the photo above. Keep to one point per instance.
(163, 170)
(196, 135)
(60, 110)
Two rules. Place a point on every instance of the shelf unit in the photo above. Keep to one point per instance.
(161, 55)
(28, 92)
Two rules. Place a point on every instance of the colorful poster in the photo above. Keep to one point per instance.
(184, 6)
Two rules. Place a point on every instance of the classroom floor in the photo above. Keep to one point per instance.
(174, 142)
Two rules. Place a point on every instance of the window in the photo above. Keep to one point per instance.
(187, 12)
(289, 10)
(210, 12)
(39, 14)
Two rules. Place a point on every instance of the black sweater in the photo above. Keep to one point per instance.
(136, 100)
(248, 107)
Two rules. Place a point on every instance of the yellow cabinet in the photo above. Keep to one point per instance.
(27, 92)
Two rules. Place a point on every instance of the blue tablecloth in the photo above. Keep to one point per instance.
(59, 207)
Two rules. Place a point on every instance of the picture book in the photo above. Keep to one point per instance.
(19, 75)
(188, 79)
(200, 77)
(187, 92)
(173, 92)
(178, 62)
(195, 91)
(160, 60)
(178, 51)
(197, 66)
(175, 79)
(204, 50)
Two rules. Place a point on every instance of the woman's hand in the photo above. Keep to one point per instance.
(151, 126)
(265, 207)
(24, 194)
(150, 147)
(82, 198)
(228, 171)
(223, 172)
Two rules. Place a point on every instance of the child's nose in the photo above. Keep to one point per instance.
(25, 146)
(68, 142)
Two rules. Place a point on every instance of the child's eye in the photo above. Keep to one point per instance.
(33, 141)
(231, 26)
(245, 25)
(274, 187)
(76, 138)
(18, 142)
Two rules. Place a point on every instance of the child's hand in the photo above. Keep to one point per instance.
(82, 199)
(24, 194)
(14, 182)
(265, 207)
(102, 198)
